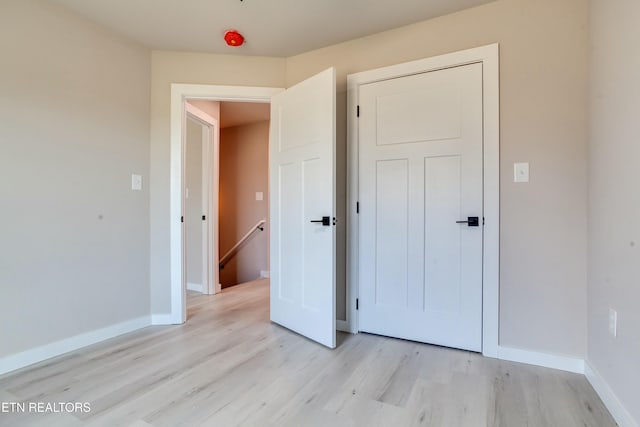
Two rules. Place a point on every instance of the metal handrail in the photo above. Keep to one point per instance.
(231, 252)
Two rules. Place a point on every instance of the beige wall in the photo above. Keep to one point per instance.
(74, 245)
(543, 84)
(244, 170)
(176, 67)
(614, 197)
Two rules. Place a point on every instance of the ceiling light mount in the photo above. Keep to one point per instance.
(233, 38)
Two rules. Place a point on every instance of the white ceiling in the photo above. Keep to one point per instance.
(271, 27)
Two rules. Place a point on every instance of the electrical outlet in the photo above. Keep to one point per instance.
(613, 322)
(136, 182)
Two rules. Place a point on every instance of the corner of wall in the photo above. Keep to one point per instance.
(609, 398)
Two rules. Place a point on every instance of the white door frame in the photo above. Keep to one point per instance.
(179, 94)
(210, 186)
(489, 57)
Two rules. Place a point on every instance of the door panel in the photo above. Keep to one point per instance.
(420, 167)
(302, 165)
(392, 232)
(440, 119)
(288, 254)
(442, 255)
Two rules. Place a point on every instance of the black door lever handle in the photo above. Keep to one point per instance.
(472, 221)
(325, 221)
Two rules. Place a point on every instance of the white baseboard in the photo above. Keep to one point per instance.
(47, 351)
(163, 319)
(343, 326)
(264, 274)
(609, 398)
(195, 287)
(563, 363)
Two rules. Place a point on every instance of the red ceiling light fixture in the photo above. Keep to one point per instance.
(233, 38)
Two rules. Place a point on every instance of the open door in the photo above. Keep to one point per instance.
(302, 182)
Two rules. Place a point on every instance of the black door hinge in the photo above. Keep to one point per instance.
(357, 207)
(204, 217)
(358, 111)
(357, 304)
(181, 219)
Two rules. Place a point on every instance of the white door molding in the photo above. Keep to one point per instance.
(180, 93)
(488, 56)
(209, 189)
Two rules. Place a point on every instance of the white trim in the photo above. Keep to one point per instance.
(352, 199)
(489, 57)
(265, 274)
(210, 189)
(162, 319)
(199, 114)
(213, 213)
(609, 398)
(209, 194)
(47, 351)
(197, 287)
(342, 326)
(179, 93)
(546, 360)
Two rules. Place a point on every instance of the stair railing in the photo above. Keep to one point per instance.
(234, 250)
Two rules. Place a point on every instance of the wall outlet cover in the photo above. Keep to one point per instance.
(136, 182)
(521, 172)
(613, 322)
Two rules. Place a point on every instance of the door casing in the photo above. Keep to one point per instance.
(488, 56)
(179, 94)
(210, 163)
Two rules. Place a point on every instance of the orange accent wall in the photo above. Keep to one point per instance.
(244, 170)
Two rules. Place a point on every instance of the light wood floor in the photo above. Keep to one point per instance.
(228, 365)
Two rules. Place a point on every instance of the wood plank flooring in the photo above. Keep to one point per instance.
(228, 365)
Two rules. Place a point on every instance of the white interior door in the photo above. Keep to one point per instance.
(420, 159)
(196, 197)
(302, 182)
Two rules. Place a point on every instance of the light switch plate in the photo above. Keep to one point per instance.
(136, 182)
(521, 172)
(259, 196)
(613, 322)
